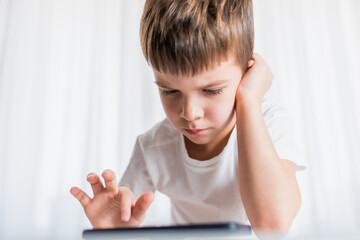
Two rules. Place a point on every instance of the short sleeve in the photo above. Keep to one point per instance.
(279, 124)
(136, 176)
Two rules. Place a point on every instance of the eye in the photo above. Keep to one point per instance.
(168, 92)
(213, 92)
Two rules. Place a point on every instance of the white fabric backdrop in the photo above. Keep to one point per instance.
(75, 92)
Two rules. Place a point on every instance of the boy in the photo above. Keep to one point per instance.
(223, 153)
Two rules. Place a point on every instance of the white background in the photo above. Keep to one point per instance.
(75, 92)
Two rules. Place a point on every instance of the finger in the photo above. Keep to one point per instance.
(257, 58)
(142, 205)
(110, 181)
(126, 202)
(95, 183)
(80, 195)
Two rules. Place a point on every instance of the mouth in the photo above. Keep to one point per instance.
(195, 131)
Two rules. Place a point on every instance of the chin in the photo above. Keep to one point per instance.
(198, 140)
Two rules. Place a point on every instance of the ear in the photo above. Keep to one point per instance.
(250, 63)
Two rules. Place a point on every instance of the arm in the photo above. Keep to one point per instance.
(268, 184)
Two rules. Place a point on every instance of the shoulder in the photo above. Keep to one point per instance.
(271, 109)
(278, 120)
(275, 115)
(161, 133)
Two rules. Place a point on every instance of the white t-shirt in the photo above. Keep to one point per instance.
(200, 191)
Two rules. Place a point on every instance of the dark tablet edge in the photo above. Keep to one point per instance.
(231, 226)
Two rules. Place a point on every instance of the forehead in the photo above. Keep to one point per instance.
(226, 70)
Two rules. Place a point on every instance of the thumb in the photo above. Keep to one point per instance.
(142, 205)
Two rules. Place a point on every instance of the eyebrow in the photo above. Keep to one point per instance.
(160, 84)
(215, 83)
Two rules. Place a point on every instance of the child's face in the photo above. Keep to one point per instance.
(202, 106)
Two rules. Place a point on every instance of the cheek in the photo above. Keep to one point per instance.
(171, 109)
(221, 110)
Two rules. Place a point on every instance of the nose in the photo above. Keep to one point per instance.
(191, 110)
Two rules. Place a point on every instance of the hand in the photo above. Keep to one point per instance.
(256, 81)
(112, 206)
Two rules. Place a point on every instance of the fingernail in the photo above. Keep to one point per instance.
(90, 175)
(107, 171)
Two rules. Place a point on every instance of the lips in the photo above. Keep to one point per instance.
(195, 131)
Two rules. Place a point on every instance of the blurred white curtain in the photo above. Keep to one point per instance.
(75, 92)
(313, 49)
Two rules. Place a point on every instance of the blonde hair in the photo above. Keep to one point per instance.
(190, 36)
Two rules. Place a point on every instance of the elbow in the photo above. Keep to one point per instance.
(276, 223)
(276, 226)
(276, 220)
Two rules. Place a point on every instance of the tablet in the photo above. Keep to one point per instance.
(204, 231)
